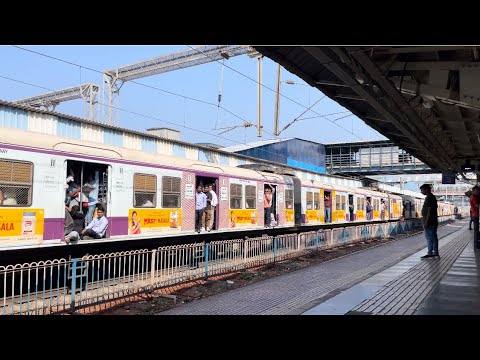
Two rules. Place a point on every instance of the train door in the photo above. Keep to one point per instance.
(409, 209)
(88, 187)
(206, 182)
(328, 206)
(341, 208)
(335, 205)
(390, 208)
(289, 205)
(322, 206)
(351, 207)
(297, 200)
(361, 210)
(368, 208)
(107, 186)
(272, 201)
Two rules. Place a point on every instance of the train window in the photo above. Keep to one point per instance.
(309, 200)
(316, 200)
(344, 202)
(250, 197)
(144, 190)
(16, 182)
(362, 204)
(171, 192)
(338, 202)
(289, 198)
(236, 196)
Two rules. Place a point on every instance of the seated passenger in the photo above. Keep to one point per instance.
(78, 219)
(68, 232)
(98, 227)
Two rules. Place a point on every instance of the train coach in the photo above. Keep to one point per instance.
(147, 193)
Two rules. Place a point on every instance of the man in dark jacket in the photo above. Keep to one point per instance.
(430, 221)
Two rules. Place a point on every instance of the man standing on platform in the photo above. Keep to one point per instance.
(430, 221)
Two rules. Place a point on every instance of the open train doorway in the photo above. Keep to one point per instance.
(270, 204)
(327, 198)
(351, 208)
(212, 213)
(88, 188)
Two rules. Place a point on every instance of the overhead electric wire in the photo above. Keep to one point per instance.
(143, 115)
(286, 97)
(184, 97)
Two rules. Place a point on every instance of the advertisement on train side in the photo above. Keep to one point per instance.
(289, 216)
(239, 218)
(146, 221)
(21, 225)
(313, 216)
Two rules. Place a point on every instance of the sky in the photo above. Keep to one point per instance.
(170, 98)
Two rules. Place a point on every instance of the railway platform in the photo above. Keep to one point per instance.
(388, 279)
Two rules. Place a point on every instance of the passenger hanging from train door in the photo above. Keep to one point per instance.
(328, 207)
(383, 209)
(78, 221)
(207, 217)
(91, 189)
(94, 178)
(214, 205)
(269, 191)
(351, 207)
(68, 228)
(369, 208)
(200, 203)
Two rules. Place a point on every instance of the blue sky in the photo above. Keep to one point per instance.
(239, 94)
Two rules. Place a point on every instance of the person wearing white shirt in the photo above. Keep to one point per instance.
(98, 227)
(200, 204)
(214, 204)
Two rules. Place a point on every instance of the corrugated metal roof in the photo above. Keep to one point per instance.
(367, 80)
(361, 142)
(254, 144)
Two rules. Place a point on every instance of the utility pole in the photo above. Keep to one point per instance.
(277, 103)
(259, 115)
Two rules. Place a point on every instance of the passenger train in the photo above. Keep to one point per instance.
(157, 191)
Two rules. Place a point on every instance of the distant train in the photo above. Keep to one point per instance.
(148, 193)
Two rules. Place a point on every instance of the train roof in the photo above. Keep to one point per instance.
(36, 121)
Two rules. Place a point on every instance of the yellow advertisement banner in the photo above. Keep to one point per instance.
(312, 216)
(21, 225)
(396, 210)
(339, 215)
(361, 215)
(144, 221)
(289, 216)
(241, 218)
